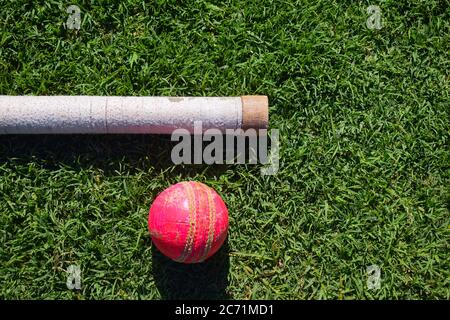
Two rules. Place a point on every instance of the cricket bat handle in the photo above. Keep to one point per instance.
(129, 115)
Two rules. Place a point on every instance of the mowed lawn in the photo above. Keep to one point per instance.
(363, 118)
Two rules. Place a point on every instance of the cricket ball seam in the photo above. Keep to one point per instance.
(192, 221)
(182, 257)
(198, 206)
(212, 221)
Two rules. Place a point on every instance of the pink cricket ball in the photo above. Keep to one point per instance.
(188, 222)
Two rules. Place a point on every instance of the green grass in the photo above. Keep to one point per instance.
(364, 164)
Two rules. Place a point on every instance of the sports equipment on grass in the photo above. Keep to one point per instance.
(188, 222)
(114, 114)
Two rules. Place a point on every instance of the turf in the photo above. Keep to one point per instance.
(364, 162)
